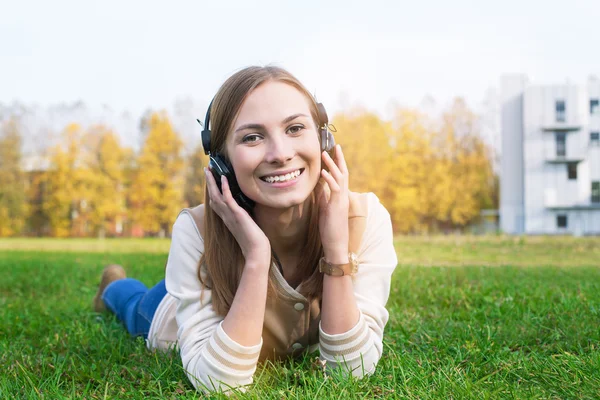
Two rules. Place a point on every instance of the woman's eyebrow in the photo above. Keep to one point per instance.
(260, 126)
(293, 117)
(249, 126)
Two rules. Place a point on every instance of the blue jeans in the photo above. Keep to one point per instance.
(133, 303)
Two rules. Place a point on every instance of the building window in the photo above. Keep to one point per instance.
(594, 107)
(596, 192)
(561, 221)
(561, 144)
(572, 171)
(560, 111)
(595, 138)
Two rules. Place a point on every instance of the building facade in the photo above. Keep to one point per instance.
(550, 168)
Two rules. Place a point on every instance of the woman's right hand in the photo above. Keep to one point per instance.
(253, 242)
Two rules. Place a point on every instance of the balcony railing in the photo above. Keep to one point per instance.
(554, 159)
(564, 126)
(582, 206)
(576, 156)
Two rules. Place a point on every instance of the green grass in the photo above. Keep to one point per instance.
(491, 317)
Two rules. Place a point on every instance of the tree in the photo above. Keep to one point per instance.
(12, 180)
(156, 193)
(468, 162)
(365, 141)
(415, 172)
(194, 180)
(62, 183)
(104, 180)
(431, 174)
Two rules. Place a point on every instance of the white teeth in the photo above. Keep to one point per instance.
(283, 178)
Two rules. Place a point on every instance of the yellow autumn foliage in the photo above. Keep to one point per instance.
(105, 166)
(194, 177)
(62, 183)
(432, 175)
(13, 207)
(156, 194)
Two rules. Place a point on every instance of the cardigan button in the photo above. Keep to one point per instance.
(296, 346)
(299, 306)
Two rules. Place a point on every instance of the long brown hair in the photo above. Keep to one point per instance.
(220, 267)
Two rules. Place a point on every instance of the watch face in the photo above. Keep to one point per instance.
(342, 269)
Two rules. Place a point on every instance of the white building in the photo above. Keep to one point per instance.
(550, 168)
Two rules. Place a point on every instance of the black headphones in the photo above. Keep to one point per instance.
(219, 165)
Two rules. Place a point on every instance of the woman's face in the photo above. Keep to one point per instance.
(274, 147)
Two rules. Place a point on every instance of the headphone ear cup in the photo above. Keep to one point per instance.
(205, 136)
(323, 139)
(206, 140)
(327, 140)
(220, 166)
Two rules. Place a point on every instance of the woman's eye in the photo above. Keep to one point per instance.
(295, 129)
(250, 138)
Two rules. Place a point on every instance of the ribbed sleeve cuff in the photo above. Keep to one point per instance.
(346, 346)
(228, 355)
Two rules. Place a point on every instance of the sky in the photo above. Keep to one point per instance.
(134, 55)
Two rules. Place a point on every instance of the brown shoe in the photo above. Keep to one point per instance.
(110, 274)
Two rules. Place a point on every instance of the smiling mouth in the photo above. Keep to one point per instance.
(283, 178)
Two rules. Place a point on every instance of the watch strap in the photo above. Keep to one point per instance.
(349, 268)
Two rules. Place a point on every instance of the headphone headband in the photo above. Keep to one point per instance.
(323, 118)
(206, 129)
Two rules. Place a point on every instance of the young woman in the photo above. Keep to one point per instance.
(307, 267)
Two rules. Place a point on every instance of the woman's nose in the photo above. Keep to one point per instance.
(280, 150)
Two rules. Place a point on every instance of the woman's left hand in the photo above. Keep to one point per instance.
(333, 208)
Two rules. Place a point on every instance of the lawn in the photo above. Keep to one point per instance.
(470, 317)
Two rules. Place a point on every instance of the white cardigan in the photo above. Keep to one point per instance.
(212, 360)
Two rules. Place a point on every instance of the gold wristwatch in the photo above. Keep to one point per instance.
(350, 268)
